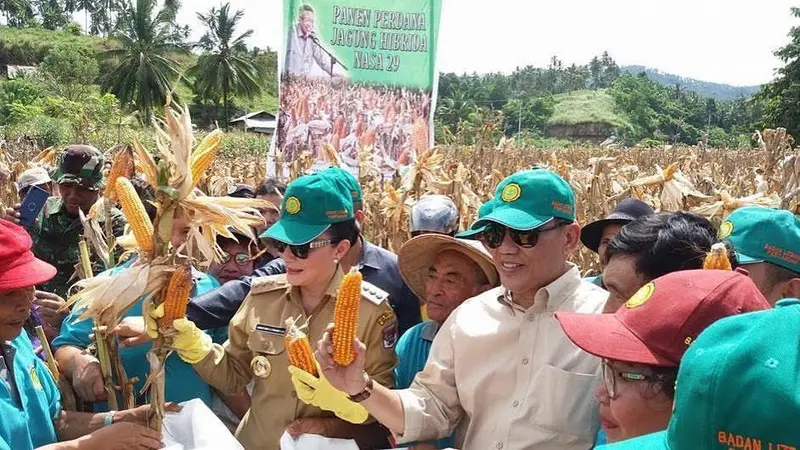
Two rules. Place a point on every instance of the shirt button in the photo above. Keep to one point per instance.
(499, 445)
(531, 318)
(515, 403)
(525, 361)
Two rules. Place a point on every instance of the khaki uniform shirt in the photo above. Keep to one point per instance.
(509, 376)
(258, 329)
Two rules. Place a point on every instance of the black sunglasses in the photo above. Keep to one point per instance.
(301, 251)
(494, 234)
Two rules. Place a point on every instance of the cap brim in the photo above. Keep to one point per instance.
(418, 254)
(471, 234)
(653, 441)
(744, 259)
(604, 336)
(31, 273)
(592, 232)
(293, 232)
(513, 218)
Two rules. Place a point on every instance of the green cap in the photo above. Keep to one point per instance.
(347, 180)
(761, 234)
(527, 200)
(738, 387)
(80, 164)
(311, 204)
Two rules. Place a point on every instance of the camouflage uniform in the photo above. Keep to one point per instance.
(56, 234)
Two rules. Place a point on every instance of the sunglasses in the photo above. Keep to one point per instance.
(240, 258)
(301, 251)
(494, 234)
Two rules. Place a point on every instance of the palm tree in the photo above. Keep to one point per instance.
(14, 8)
(146, 72)
(225, 70)
(87, 6)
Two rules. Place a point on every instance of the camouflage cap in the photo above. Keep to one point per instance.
(80, 164)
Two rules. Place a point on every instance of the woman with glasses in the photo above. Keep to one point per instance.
(641, 344)
(315, 231)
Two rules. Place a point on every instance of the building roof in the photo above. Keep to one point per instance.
(259, 115)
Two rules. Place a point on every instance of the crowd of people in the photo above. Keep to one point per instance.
(484, 338)
(315, 112)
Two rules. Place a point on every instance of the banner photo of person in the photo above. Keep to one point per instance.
(357, 75)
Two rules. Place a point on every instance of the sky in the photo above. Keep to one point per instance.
(709, 40)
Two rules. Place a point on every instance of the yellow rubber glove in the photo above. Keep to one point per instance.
(320, 393)
(151, 326)
(191, 344)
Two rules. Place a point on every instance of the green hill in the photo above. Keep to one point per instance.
(583, 107)
(29, 46)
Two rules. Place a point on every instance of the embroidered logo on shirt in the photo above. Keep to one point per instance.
(35, 378)
(390, 336)
(641, 296)
(725, 229)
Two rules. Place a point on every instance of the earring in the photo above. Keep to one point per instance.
(336, 261)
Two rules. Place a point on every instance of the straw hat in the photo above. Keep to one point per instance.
(418, 254)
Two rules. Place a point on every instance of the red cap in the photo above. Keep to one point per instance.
(18, 267)
(658, 323)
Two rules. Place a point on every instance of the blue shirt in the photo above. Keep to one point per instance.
(26, 419)
(378, 266)
(182, 382)
(412, 351)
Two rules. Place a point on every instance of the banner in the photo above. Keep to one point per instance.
(357, 75)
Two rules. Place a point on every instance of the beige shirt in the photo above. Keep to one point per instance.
(257, 330)
(511, 375)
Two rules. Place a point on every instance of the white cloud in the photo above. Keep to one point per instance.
(713, 40)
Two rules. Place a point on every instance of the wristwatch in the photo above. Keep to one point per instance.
(363, 395)
(109, 418)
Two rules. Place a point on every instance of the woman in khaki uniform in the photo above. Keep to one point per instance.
(316, 229)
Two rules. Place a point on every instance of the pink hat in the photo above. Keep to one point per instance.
(18, 267)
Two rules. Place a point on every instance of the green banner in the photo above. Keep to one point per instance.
(356, 74)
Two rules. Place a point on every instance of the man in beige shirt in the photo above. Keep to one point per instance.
(501, 369)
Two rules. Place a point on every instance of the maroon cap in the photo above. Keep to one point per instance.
(658, 323)
(18, 267)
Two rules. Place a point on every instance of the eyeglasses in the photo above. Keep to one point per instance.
(610, 378)
(301, 251)
(241, 258)
(494, 234)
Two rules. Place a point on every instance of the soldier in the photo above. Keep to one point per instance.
(314, 233)
(58, 229)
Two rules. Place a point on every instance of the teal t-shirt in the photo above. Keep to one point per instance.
(27, 415)
(182, 383)
(412, 351)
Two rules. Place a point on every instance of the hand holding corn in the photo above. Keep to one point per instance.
(350, 379)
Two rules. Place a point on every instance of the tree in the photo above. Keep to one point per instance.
(781, 97)
(225, 69)
(52, 13)
(87, 6)
(16, 11)
(69, 70)
(147, 70)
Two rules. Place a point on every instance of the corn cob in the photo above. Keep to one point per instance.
(345, 318)
(135, 214)
(123, 166)
(298, 348)
(669, 172)
(204, 155)
(176, 296)
(717, 258)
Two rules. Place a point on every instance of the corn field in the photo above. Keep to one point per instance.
(711, 182)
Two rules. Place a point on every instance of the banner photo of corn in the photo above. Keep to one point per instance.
(357, 81)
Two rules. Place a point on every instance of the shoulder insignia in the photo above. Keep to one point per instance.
(373, 293)
(269, 283)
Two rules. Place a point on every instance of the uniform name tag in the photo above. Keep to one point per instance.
(269, 329)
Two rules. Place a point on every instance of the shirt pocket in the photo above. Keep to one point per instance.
(269, 344)
(566, 401)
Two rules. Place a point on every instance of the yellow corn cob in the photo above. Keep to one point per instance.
(345, 318)
(669, 172)
(204, 155)
(298, 348)
(176, 297)
(135, 214)
(717, 258)
(123, 166)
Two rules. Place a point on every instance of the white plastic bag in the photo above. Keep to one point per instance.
(196, 428)
(316, 442)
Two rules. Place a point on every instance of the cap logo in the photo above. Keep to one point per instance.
(292, 205)
(725, 229)
(783, 254)
(340, 214)
(562, 207)
(641, 296)
(511, 192)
